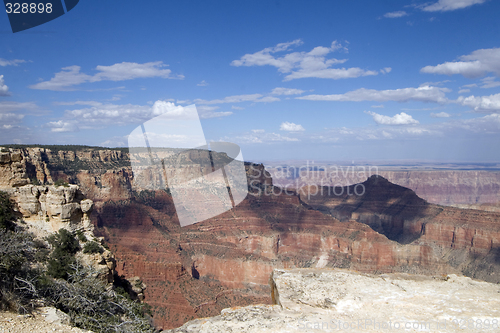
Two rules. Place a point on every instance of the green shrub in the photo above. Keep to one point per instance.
(61, 182)
(92, 247)
(24, 281)
(64, 245)
(6, 216)
(81, 236)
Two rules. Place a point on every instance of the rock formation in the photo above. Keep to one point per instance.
(443, 187)
(197, 271)
(312, 300)
(468, 240)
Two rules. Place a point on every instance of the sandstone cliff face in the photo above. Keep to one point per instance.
(197, 271)
(468, 240)
(312, 300)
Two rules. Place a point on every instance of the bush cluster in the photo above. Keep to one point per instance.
(31, 273)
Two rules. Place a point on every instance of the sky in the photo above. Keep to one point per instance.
(306, 80)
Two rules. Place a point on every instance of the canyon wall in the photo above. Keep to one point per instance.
(444, 187)
(198, 270)
(467, 239)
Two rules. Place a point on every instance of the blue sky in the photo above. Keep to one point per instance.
(323, 80)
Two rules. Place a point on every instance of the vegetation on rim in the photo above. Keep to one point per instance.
(34, 272)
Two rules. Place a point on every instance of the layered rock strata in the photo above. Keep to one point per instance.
(197, 271)
(480, 188)
(467, 239)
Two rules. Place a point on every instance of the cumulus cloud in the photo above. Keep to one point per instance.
(202, 84)
(440, 115)
(397, 14)
(17, 106)
(399, 119)
(206, 112)
(489, 82)
(474, 65)
(312, 64)
(463, 91)
(291, 127)
(62, 126)
(71, 76)
(481, 103)
(10, 118)
(239, 98)
(260, 136)
(4, 89)
(286, 91)
(99, 114)
(448, 5)
(15, 62)
(422, 94)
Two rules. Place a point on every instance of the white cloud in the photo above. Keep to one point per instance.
(236, 108)
(386, 70)
(239, 99)
(10, 118)
(260, 136)
(131, 70)
(447, 5)
(206, 112)
(99, 114)
(117, 141)
(267, 99)
(62, 126)
(91, 103)
(312, 64)
(399, 119)
(474, 65)
(378, 106)
(202, 84)
(17, 106)
(291, 127)
(15, 62)
(70, 76)
(258, 131)
(463, 91)
(399, 13)
(489, 82)
(422, 94)
(286, 91)
(4, 89)
(481, 103)
(207, 115)
(440, 115)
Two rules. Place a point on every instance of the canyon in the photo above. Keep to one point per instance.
(225, 261)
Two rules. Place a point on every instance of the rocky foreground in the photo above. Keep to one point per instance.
(44, 320)
(314, 300)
